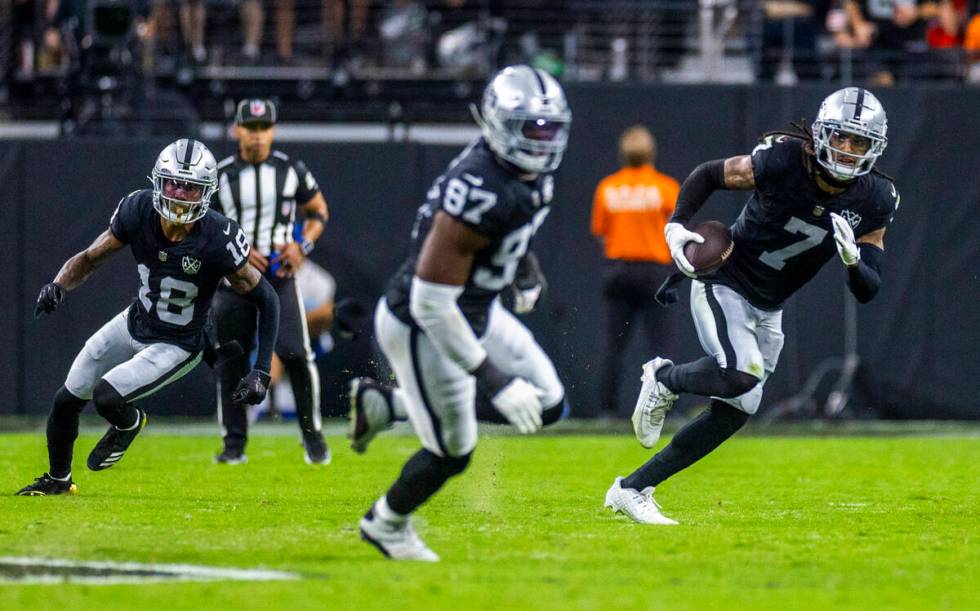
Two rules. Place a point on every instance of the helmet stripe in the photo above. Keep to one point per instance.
(188, 152)
(859, 104)
(537, 76)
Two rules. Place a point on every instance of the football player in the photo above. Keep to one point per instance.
(182, 251)
(454, 349)
(815, 195)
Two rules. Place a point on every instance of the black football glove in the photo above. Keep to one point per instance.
(347, 314)
(52, 294)
(251, 390)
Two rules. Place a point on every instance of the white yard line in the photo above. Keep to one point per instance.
(61, 571)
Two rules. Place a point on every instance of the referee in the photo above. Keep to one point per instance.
(263, 190)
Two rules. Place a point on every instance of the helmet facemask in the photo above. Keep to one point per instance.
(846, 165)
(525, 119)
(531, 142)
(181, 200)
(184, 180)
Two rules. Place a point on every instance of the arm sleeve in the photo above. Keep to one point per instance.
(433, 307)
(864, 279)
(703, 181)
(267, 302)
(308, 186)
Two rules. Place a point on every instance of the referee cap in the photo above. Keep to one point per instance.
(256, 110)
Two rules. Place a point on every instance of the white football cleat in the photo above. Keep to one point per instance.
(654, 402)
(397, 541)
(370, 412)
(638, 505)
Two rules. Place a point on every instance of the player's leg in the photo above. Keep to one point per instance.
(737, 334)
(440, 399)
(108, 347)
(294, 350)
(723, 319)
(234, 319)
(374, 406)
(153, 367)
(512, 346)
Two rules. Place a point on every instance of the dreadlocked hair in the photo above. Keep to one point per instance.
(801, 131)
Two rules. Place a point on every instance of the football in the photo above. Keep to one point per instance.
(715, 250)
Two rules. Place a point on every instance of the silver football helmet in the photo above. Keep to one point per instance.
(852, 114)
(525, 118)
(184, 179)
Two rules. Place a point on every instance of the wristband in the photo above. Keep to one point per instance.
(306, 247)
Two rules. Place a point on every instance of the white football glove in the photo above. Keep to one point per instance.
(526, 299)
(847, 248)
(520, 403)
(677, 237)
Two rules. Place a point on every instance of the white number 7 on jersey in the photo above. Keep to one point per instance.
(776, 259)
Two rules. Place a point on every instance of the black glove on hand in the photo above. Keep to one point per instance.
(52, 294)
(346, 314)
(251, 390)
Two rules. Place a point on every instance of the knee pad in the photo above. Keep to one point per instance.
(556, 412)
(448, 466)
(109, 403)
(65, 403)
(738, 382)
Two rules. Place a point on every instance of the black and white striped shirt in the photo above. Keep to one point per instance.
(262, 197)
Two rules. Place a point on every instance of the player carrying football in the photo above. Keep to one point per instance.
(456, 352)
(182, 250)
(814, 194)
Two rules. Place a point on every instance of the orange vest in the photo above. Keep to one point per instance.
(629, 211)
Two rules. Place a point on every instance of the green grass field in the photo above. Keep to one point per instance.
(775, 522)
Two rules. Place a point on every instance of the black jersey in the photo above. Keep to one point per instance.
(479, 191)
(784, 234)
(262, 197)
(177, 279)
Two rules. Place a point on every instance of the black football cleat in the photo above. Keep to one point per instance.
(113, 445)
(48, 486)
(317, 452)
(231, 456)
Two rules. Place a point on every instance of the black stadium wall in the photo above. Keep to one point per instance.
(917, 339)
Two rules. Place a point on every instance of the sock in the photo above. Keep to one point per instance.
(421, 477)
(692, 443)
(704, 377)
(62, 430)
(61, 479)
(386, 513)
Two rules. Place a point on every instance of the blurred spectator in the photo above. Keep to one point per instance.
(629, 212)
(405, 35)
(344, 24)
(895, 31)
(789, 39)
(252, 20)
(192, 17)
(971, 45)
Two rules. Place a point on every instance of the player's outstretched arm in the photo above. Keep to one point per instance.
(250, 284)
(443, 267)
(76, 271)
